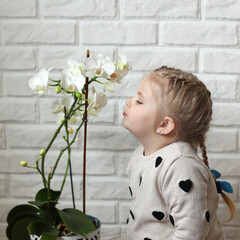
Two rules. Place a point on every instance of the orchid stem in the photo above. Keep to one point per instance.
(52, 140)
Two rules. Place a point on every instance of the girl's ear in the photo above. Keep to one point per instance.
(166, 126)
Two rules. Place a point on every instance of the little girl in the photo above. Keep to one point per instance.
(173, 191)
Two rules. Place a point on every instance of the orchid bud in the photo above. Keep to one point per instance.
(42, 152)
(58, 89)
(70, 130)
(23, 163)
(78, 94)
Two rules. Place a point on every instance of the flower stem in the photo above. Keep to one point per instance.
(53, 138)
(69, 156)
(64, 149)
(48, 187)
(48, 147)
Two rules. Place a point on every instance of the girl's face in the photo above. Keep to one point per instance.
(140, 112)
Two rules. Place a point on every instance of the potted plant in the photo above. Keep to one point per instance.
(40, 218)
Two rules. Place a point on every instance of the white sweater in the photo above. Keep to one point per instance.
(174, 196)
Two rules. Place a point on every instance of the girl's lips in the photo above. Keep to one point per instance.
(124, 114)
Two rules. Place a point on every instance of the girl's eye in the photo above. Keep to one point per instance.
(138, 102)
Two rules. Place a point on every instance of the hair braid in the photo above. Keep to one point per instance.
(204, 153)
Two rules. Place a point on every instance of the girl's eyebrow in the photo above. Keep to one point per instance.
(139, 93)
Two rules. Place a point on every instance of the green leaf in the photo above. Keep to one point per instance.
(10, 227)
(37, 203)
(76, 221)
(21, 209)
(51, 210)
(19, 216)
(41, 229)
(52, 235)
(42, 195)
(50, 214)
(38, 228)
(19, 231)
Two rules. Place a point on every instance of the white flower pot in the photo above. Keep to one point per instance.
(91, 236)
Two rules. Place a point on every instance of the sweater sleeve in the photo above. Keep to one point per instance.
(184, 189)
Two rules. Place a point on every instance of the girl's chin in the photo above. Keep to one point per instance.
(125, 125)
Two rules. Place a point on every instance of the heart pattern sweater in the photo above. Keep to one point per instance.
(173, 196)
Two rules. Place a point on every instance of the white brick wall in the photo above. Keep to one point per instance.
(200, 36)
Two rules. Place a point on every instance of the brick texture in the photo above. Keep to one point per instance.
(198, 36)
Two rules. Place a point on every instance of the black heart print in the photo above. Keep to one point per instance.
(186, 185)
(140, 181)
(158, 215)
(132, 214)
(207, 216)
(158, 161)
(171, 219)
(130, 190)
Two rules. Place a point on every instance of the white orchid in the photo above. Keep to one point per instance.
(72, 77)
(122, 67)
(109, 86)
(58, 107)
(97, 100)
(122, 62)
(99, 66)
(39, 82)
(76, 67)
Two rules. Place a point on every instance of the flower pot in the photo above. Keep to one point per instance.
(95, 235)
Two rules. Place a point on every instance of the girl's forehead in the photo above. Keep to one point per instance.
(145, 89)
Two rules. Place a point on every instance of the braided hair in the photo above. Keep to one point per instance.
(186, 99)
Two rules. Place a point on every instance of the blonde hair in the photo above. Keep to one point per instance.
(186, 99)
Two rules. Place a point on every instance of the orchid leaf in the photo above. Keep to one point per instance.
(51, 235)
(41, 229)
(38, 228)
(42, 195)
(18, 218)
(19, 230)
(76, 221)
(21, 209)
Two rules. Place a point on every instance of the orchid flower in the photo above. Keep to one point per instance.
(58, 107)
(97, 100)
(122, 67)
(72, 77)
(39, 82)
(109, 86)
(122, 63)
(99, 66)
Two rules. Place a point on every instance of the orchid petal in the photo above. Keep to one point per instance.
(101, 100)
(109, 68)
(93, 112)
(33, 81)
(66, 101)
(123, 58)
(100, 59)
(109, 86)
(90, 73)
(72, 120)
(58, 109)
(90, 63)
(79, 81)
